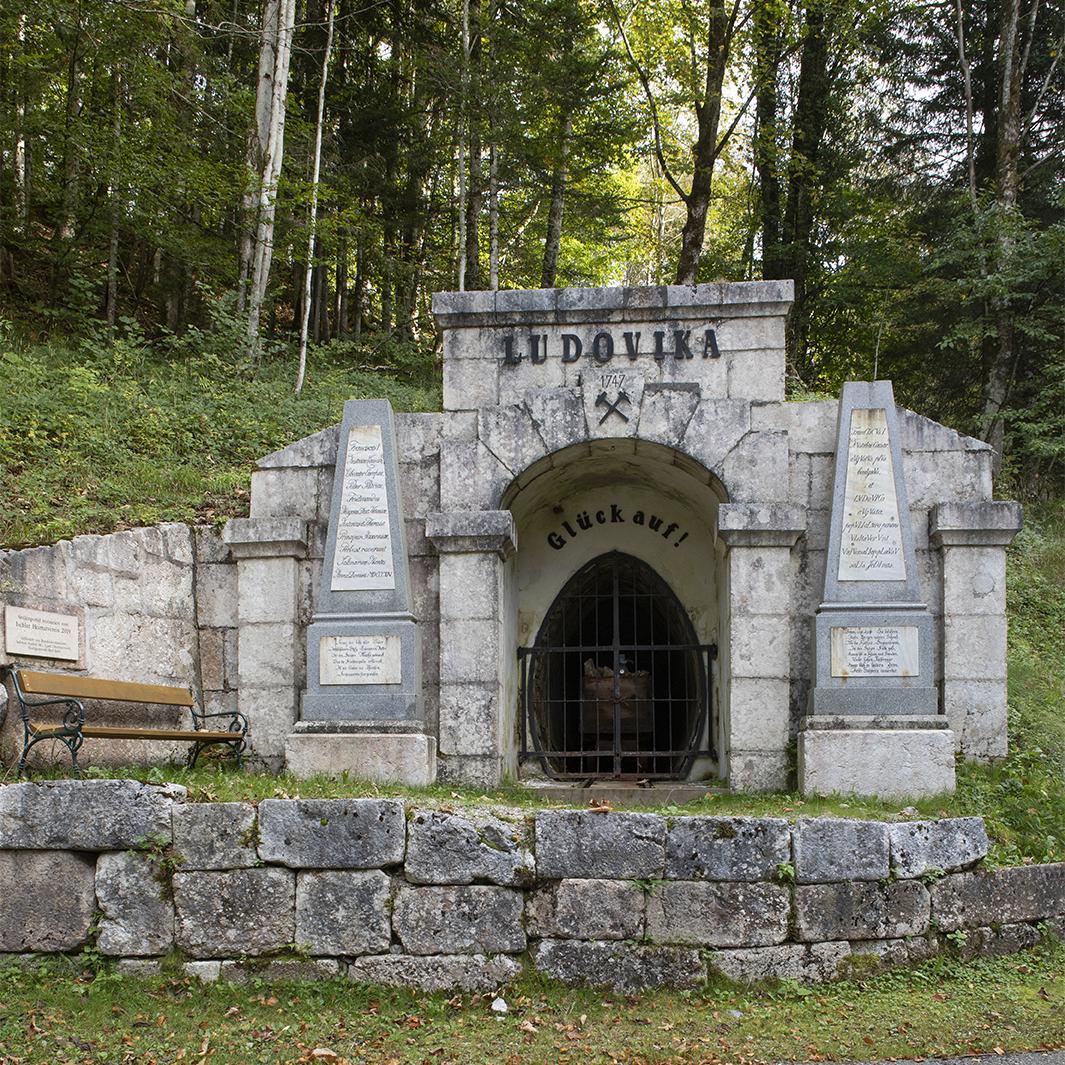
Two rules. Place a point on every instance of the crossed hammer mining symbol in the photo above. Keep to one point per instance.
(612, 408)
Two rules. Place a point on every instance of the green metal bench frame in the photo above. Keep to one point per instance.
(73, 730)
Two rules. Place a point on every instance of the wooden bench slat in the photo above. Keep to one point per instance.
(116, 733)
(122, 691)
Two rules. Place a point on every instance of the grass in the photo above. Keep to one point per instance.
(77, 1010)
(101, 437)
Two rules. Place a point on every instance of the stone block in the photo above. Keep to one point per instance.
(469, 718)
(708, 914)
(813, 964)
(212, 659)
(209, 546)
(471, 771)
(665, 414)
(810, 425)
(511, 434)
(760, 581)
(279, 970)
(756, 469)
(332, 833)
(759, 645)
(215, 835)
(85, 815)
(343, 913)
(620, 966)
(608, 846)
(756, 375)
(227, 914)
(134, 900)
(407, 758)
(470, 586)
(267, 590)
(976, 710)
(889, 764)
(270, 713)
(48, 900)
(289, 492)
(139, 968)
(558, 414)
(974, 580)
(1003, 896)
(455, 972)
(974, 647)
(756, 771)
(726, 848)
(459, 920)
(759, 713)
(469, 651)
(447, 848)
(587, 909)
(715, 428)
(833, 848)
(850, 910)
(920, 847)
(267, 655)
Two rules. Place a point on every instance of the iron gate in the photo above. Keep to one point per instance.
(617, 685)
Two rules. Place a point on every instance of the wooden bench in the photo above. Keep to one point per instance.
(68, 691)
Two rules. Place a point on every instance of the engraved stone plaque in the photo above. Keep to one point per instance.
(870, 547)
(41, 633)
(363, 557)
(359, 660)
(875, 651)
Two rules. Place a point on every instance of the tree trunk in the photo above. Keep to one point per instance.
(461, 166)
(21, 161)
(558, 204)
(769, 44)
(493, 157)
(811, 110)
(1007, 187)
(264, 234)
(316, 171)
(475, 199)
(116, 208)
(708, 113)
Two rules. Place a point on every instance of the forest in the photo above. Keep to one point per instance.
(283, 185)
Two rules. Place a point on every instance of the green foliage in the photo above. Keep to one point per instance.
(113, 435)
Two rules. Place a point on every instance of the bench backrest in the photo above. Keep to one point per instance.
(33, 683)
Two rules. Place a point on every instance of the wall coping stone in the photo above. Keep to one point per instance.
(760, 524)
(472, 532)
(561, 305)
(266, 537)
(990, 523)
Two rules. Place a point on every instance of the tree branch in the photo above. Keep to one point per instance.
(645, 82)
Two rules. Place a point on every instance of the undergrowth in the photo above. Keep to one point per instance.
(102, 435)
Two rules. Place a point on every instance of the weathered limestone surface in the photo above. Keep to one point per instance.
(830, 848)
(811, 964)
(46, 900)
(920, 847)
(572, 843)
(273, 970)
(619, 965)
(454, 972)
(137, 912)
(861, 910)
(85, 815)
(332, 834)
(459, 920)
(226, 914)
(726, 848)
(216, 835)
(446, 848)
(718, 914)
(343, 913)
(587, 909)
(1002, 896)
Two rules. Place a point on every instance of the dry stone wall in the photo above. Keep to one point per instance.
(379, 891)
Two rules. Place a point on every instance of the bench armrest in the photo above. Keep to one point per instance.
(73, 716)
(237, 721)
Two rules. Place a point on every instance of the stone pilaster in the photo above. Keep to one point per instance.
(756, 658)
(269, 651)
(478, 735)
(973, 538)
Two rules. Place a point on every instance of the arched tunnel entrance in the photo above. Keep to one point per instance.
(616, 683)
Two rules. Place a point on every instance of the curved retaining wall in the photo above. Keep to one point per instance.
(389, 893)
